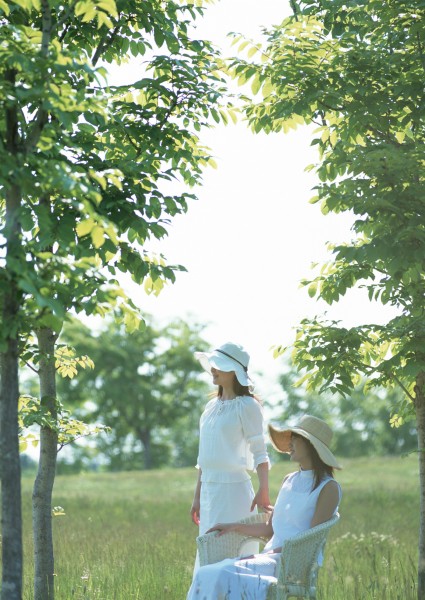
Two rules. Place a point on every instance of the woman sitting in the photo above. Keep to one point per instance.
(307, 498)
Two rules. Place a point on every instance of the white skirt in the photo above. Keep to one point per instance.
(235, 579)
(226, 503)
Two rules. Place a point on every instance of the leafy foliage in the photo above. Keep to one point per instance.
(36, 411)
(360, 420)
(145, 387)
(356, 70)
(93, 162)
(89, 172)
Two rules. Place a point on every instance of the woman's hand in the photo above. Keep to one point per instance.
(223, 528)
(195, 511)
(262, 500)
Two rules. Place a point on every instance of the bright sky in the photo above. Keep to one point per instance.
(252, 235)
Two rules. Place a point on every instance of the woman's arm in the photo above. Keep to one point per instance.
(195, 510)
(326, 503)
(262, 498)
(262, 530)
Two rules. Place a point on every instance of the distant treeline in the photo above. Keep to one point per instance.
(148, 389)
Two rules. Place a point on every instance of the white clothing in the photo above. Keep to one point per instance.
(226, 503)
(233, 579)
(231, 439)
(295, 506)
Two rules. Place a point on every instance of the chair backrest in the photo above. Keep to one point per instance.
(301, 554)
(213, 548)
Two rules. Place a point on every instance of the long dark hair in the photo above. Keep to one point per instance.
(239, 389)
(320, 469)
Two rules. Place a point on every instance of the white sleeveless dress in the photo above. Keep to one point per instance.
(249, 579)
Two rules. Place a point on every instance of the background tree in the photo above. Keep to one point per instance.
(81, 173)
(361, 420)
(146, 387)
(356, 70)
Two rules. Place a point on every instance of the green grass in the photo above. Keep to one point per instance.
(128, 536)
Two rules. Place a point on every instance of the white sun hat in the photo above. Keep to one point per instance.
(228, 357)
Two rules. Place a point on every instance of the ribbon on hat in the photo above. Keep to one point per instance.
(233, 358)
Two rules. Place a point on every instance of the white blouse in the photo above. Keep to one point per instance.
(231, 439)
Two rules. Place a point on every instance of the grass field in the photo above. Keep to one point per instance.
(128, 536)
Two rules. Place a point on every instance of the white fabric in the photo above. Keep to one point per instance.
(249, 579)
(225, 503)
(295, 506)
(233, 579)
(231, 439)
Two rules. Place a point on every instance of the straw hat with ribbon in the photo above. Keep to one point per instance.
(316, 431)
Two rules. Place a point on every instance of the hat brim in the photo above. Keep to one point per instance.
(281, 438)
(223, 363)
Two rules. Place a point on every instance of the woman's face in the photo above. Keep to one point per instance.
(299, 447)
(223, 378)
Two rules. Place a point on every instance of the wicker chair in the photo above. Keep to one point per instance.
(298, 568)
(213, 548)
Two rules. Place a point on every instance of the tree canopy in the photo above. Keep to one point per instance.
(360, 420)
(85, 174)
(355, 70)
(145, 386)
(89, 160)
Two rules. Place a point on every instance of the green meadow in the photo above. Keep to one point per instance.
(128, 536)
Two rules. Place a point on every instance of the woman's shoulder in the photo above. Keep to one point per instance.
(330, 485)
(210, 404)
(248, 401)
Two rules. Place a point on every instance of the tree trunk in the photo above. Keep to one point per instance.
(420, 421)
(145, 438)
(11, 517)
(43, 485)
(10, 468)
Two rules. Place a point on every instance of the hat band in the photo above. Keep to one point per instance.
(233, 358)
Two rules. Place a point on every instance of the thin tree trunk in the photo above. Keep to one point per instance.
(145, 438)
(11, 517)
(420, 421)
(43, 485)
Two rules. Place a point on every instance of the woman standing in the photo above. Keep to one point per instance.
(308, 497)
(231, 443)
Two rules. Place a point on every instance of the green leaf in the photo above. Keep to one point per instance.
(256, 84)
(312, 289)
(98, 236)
(85, 227)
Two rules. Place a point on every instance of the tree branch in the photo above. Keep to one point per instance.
(405, 390)
(421, 52)
(295, 8)
(29, 365)
(79, 437)
(42, 117)
(105, 43)
(13, 139)
(46, 20)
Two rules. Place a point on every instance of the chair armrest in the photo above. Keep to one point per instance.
(213, 547)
